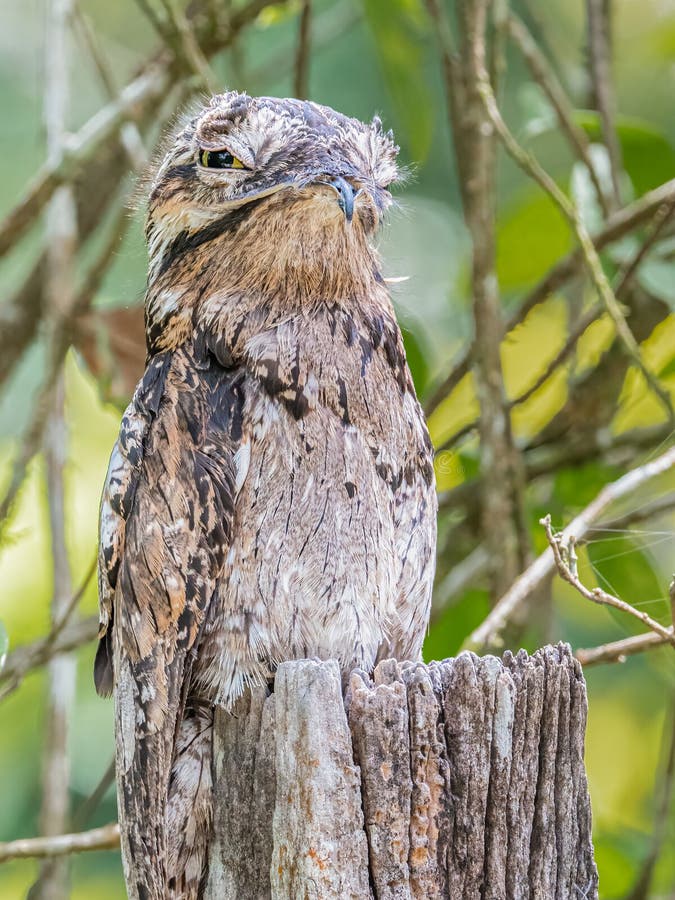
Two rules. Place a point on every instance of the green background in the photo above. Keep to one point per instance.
(385, 62)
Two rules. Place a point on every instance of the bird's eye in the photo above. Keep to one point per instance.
(219, 159)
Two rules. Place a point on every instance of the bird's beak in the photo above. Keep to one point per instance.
(347, 194)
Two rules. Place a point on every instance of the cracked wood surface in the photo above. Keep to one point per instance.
(457, 779)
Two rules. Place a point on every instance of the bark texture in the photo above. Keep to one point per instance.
(457, 779)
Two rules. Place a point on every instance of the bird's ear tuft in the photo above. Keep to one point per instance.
(384, 150)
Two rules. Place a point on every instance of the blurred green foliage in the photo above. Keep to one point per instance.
(382, 62)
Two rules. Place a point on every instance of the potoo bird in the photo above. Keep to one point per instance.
(271, 494)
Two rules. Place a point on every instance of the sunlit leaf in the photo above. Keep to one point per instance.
(668, 370)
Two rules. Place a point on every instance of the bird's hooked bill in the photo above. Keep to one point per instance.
(347, 194)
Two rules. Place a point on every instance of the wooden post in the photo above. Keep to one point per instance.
(457, 779)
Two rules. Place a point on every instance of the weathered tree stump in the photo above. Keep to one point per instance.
(458, 779)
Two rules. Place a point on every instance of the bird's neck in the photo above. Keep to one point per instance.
(207, 285)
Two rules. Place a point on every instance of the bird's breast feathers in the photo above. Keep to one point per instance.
(271, 496)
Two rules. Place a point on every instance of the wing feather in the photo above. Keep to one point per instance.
(165, 528)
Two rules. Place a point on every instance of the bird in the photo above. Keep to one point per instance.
(271, 493)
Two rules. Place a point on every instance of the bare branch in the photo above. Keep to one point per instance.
(188, 45)
(661, 218)
(546, 78)
(79, 148)
(31, 656)
(488, 634)
(623, 282)
(617, 651)
(129, 134)
(641, 514)
(618, 226)
(596, 273)
(501, 469)
(578, 329)
(500, 30)
(454, 84)
(21, 661)
(564, 555)
(60, 295)
(58, 347)
(599, 40)
(160, 26)
(301, 74)
(105, 838)
(458, 579)
(89, 806)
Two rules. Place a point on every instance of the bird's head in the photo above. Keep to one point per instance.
(262, 190)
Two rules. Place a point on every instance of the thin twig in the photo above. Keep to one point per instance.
(617, 226)
(500, 30)
(130, 136)
(159, 25)
(106, 166)
(578, 329)
(89, 806)
(618, 651)
(546, 78)
(105, 838)
(563, 554)
(458, 579)
(189, 45)
(488, 634)
(22, 661)
(58, 347)
(302, 53)
(502, 517)
(641, 514)
(455, 93)
(31, 656)
(599, 40)
(78, 149)
(531, 166)
(327, 27)
(623, 282)
(661, 218)
(60, 296)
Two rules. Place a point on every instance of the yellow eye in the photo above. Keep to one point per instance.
(220, 159)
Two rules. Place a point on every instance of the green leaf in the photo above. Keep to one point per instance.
(648, 155)
(668, 370)
(400, 30)
(531, 237)
(657, 277)
(417, 359)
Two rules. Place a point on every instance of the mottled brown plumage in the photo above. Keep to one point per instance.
(271, 494)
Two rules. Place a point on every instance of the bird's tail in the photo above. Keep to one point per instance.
(163, 786)
(190, 807)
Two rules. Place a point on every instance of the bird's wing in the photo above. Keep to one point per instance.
(165, 529)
